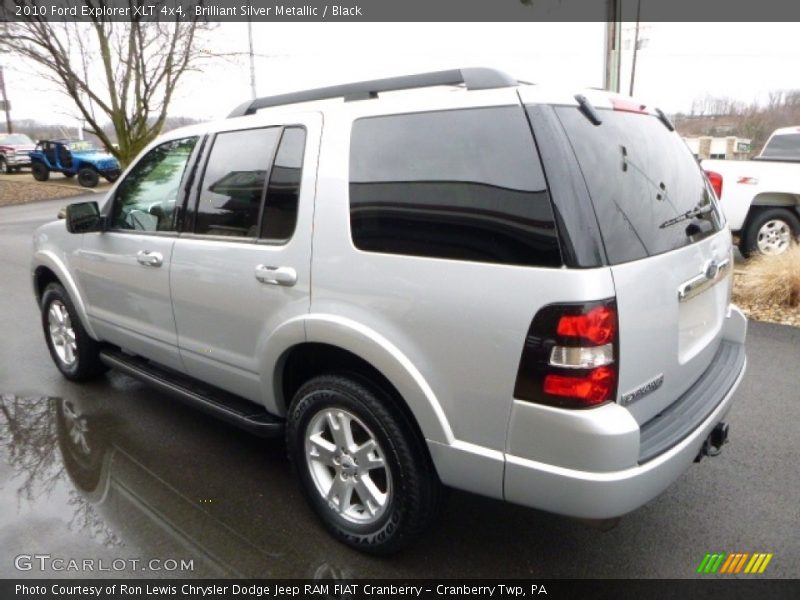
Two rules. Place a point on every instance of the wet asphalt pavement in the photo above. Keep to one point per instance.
(162, 481)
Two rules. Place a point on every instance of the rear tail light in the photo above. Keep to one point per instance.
(570, 356)
(715, 179)
(593, 388)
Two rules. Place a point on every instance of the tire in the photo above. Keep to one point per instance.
(88, 177)
(770, 232)
(112, 178)
(73, 351)
(69, 175)
(40, 171)
(4, 168)
(402, 475)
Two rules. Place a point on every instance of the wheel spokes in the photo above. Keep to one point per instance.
(341, 493)
(367, 457)
(341, 427)
(322, 450)
(371, 497)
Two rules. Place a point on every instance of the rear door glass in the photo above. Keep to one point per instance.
(457, 184)
(641, 178)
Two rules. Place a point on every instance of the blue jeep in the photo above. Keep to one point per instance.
(73, 157)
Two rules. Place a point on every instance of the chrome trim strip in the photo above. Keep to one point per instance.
(713, 273)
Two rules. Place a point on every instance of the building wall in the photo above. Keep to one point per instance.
(728, 148)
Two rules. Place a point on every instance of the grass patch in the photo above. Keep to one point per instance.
(771, 280)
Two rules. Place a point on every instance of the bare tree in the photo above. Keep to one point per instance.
(122, 72)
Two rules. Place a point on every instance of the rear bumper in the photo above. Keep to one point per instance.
(590, 464)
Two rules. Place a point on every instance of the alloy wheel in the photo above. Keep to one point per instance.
(62, 334)
(348, 466)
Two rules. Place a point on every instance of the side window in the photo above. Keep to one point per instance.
(280, 210)
(459, 184)
(233, 184)
(146, 198)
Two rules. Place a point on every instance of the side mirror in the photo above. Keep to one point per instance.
(84, 217)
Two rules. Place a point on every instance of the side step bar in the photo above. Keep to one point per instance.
(223, 405)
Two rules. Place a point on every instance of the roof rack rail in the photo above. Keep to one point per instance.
(477, 78)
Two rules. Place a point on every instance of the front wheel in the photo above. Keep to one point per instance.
(4, 168)
(770, 232)
(40, 171)
(88, 177)
(74, 352)
(364, 470)
(112, 177)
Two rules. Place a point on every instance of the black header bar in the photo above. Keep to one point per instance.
(400, 10)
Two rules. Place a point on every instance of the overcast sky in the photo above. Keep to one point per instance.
(679, 61)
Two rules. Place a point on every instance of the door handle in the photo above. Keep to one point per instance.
(276, 275)
(149, 259)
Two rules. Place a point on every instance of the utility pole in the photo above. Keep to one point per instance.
(635, 45)
(6, 103)
(613, 42)
(252, 58)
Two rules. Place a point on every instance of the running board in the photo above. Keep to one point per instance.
(223, 405)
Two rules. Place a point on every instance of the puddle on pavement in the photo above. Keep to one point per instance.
(120, 484)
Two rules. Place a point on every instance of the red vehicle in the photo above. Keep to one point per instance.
(14, 148)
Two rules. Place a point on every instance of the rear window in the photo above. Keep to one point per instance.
(459, 184)
(641, 178)
(785, 146)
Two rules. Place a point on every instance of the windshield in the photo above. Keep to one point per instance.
(15, 139)
(81, 146)
(648, 191)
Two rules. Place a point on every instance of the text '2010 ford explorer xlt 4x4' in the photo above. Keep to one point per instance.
(447, 278)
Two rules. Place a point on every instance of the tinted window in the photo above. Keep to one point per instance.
(233, 183)
(786, 145)
(461, 184)
(146, 198)
(640, 177)
(280, 210)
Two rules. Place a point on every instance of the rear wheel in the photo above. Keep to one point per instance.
(40, 171)
(88, 177)
(364, 470)
(770, 232)
(75, 353)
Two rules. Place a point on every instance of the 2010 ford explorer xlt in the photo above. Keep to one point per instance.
(447, 278)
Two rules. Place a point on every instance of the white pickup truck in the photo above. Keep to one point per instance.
(761, 197)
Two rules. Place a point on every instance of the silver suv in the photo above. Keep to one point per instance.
(447, 278)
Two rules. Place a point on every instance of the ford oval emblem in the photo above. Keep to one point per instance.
(711, 270)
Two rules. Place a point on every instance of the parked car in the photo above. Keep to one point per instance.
(449, 278)
(761, 197)
(14, 149)
(73, 157)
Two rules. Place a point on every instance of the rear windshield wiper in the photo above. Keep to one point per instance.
(698, 211)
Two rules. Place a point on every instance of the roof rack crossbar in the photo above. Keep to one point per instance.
(473, 78)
